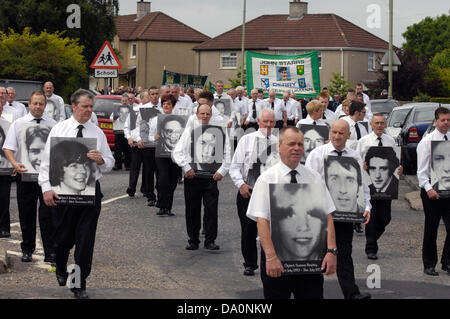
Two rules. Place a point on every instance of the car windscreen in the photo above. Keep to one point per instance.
(424, 115)
(398, 116)
(104, 107)
(383, 107)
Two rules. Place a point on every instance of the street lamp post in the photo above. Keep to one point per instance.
(243, 44)
(390, 48)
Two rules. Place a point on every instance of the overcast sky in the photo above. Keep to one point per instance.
(213, 17)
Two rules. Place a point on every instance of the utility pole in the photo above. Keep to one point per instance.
(243, 44)
(390, 48)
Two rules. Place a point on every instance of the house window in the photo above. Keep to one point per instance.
(133, 50)
(319, 58)
(228, 60)
(371, 61)
(286, 52)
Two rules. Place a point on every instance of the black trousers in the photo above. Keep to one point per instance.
(196, 190)
(249, 232)
(345, 270)
(76, 225)
(301, 286)
(5, 192)
(290, 123)
(122, 151)
(137, 159)
(435, 210)
(279, 124)
(28, 194)
(150, 170)
(379, 218)
(167, 181)
(253, 125)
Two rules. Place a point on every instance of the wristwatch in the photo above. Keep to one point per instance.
(334, 251)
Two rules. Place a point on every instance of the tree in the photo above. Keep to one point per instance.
(237, 81)
(44, 57)
(440, 69)
(338, 85)
(97, 20)
(428, 37)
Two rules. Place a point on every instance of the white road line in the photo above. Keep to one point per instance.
(114, 199)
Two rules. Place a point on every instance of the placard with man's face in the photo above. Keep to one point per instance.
(207, 149)
(343, 177)
(34, 136)
(147, 114)
(299, 226)
(5, 166)
(264, 156)
(223, 106)
(381, 175)
(52, 109)
(440, 167)
(313, 136)
(120, 117)
(170, 127)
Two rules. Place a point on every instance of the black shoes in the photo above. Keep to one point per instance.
(130, 192)
(249, 271)
(358, 228)
(26, 258)
(50, 258)
(165, 212)
(115, 168)
(192, 246)
(62, 279)
(361, 296)
(5, 234)
(446, 268)
(151, 203)
(79, 293)
(430, 271)
(372, 256)
(212, 246)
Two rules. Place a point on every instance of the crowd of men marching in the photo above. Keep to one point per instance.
(249, 118)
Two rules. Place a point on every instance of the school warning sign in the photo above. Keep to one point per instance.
(298, 73)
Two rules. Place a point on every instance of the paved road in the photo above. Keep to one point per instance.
(140, 255)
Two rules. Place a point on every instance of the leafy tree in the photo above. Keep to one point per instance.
(237, 81)
(428, 37)
(338, 85)
(44, 57)
(97, 20)
(440, 69)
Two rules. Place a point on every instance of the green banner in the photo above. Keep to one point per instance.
(184, 80)
(298, 73)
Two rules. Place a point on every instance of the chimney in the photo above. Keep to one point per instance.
(143, 7)
(297, 9)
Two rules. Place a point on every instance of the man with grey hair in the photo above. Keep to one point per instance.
(57, 100)
(18, 107)
(122, 151)
(292, 108)
(240, 104)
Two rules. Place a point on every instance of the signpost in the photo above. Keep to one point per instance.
(106, 64)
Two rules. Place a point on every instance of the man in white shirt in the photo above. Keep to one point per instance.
(328, 114)
(17, 106)
(240, 165)
(339, 133)
(288, 170)
(434, 206)
(69, 218)
(58, 101)
(292, 107)
(381, 208)
(279, 109)
(28, 193)
(5, 180)
(241, 103)
(254, 106)
(359, 89)
(183, 106)
(357, 112)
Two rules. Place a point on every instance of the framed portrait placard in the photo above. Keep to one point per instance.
(440, 167)
(34, 136)
(313, 136)
(147, 114)
(71, 172)
(264, 156)
(120, 116)
(170, 127)
(207, 150)
(343, 177)
(382, 163)
(299, 226)
(5, 166)
(223, 106)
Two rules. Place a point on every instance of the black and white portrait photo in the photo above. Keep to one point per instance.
(147, 114)
(170, 127)
(299, 226)
(120, 116)
(381, 174)
(207, 149)
(71, 171)
(313, 136)
(440, 167)
(343, 176)
(5, 165)
(34, 137)
(223, 106)
(264, 156)
(52, 109)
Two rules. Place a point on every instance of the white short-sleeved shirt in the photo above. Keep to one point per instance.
(278, 108)
(370, 140)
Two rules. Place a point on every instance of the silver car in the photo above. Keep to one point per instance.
(396, 119)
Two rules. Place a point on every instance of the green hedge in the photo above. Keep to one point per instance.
(443, 100)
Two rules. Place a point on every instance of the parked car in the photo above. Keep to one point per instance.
(395, 121)
(384, 106)
(104, 105)
(419, 118)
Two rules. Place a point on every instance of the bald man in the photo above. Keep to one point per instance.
(48, 90)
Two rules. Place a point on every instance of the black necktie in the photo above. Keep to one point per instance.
(323, 116)
(293, 174)
(219, 96)
(445, 137)
(380, 143)
(254, 110)
(273, 105)
(314, 123)
(358, 132)
(80, 129)
(38, 120)
(339, 153)
(10, 104)
(240, 99)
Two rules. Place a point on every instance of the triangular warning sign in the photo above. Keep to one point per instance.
(106, 58)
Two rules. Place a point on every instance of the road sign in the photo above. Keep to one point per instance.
(106, 58)
(105, 73)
